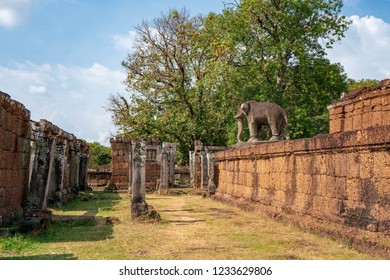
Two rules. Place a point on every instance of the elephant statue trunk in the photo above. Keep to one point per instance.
(239, 133)
(239, 116)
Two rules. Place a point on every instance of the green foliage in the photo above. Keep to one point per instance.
(173, 80)
(278, 45)
(353, 84)
(98, 155)
(187, 76)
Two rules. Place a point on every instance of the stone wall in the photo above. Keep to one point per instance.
(167, 171)
(40, 164)
(120, 158)
(362, 108)
(343, 177)
(99, 178)
(58, 165)
(121, 148)
(202, 172)
(14, 158)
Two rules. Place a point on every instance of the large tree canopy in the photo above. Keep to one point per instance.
(283, 44)
(186, 76)
(172, 84)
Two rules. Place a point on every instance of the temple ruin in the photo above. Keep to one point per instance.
(40, 164)
(342, 177)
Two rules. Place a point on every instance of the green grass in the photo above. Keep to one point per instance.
(16, 244)
(191, 228)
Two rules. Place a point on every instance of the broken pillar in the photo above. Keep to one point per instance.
(204, 177)
(192, 167)
(167, 173)
(212, 178)
(74, 166)
(211, 187)
(164, 174)
(84, 152)
(172, 160)
(139, 207)
(196, 169)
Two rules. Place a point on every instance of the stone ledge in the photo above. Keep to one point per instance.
(376, 137)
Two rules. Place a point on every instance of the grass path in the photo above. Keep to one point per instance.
(192, 228)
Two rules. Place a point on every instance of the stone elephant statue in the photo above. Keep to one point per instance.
(259, 114)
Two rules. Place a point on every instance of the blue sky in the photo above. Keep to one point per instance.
(61, 58)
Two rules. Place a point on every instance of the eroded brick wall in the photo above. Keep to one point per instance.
(343, 177)
(362, 108)
(120, 154)
(39, 163)
(98, 179)
(14, 158)
(121, 148)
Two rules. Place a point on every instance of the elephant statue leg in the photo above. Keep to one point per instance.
(253, 132)
(275, 132)
(239, 133)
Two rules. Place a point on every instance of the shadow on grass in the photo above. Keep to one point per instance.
(42, 257)
(91, 202)
(76, 231)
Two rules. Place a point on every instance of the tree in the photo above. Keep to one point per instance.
(186, 76)
(284, 43)
(173, 94)
(353, 84)
(99, 155)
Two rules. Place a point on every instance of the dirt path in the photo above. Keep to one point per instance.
(192, 228)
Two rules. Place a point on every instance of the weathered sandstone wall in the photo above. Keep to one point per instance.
(343, 177)
(40, 164)
(14, 157)
(121, 153)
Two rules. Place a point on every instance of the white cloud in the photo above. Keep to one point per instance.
(37, 89)
(13, 12)
(364, 52)
(71, 97)
(124, 42)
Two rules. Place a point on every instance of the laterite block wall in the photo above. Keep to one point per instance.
(14, 157)
(342, 177)
(120, 153)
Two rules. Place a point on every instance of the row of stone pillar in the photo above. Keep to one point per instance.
(202, 171)
(58, 165)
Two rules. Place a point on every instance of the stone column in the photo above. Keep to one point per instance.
(172, 161)
(204, 177)
(130, 166)
(84, 152)
(139, 207)
(74, 166)
(65, 166)
(164, 175)
(41, 146)
(50, 178)
(192, 167)
(197, 172)
(210, 168)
